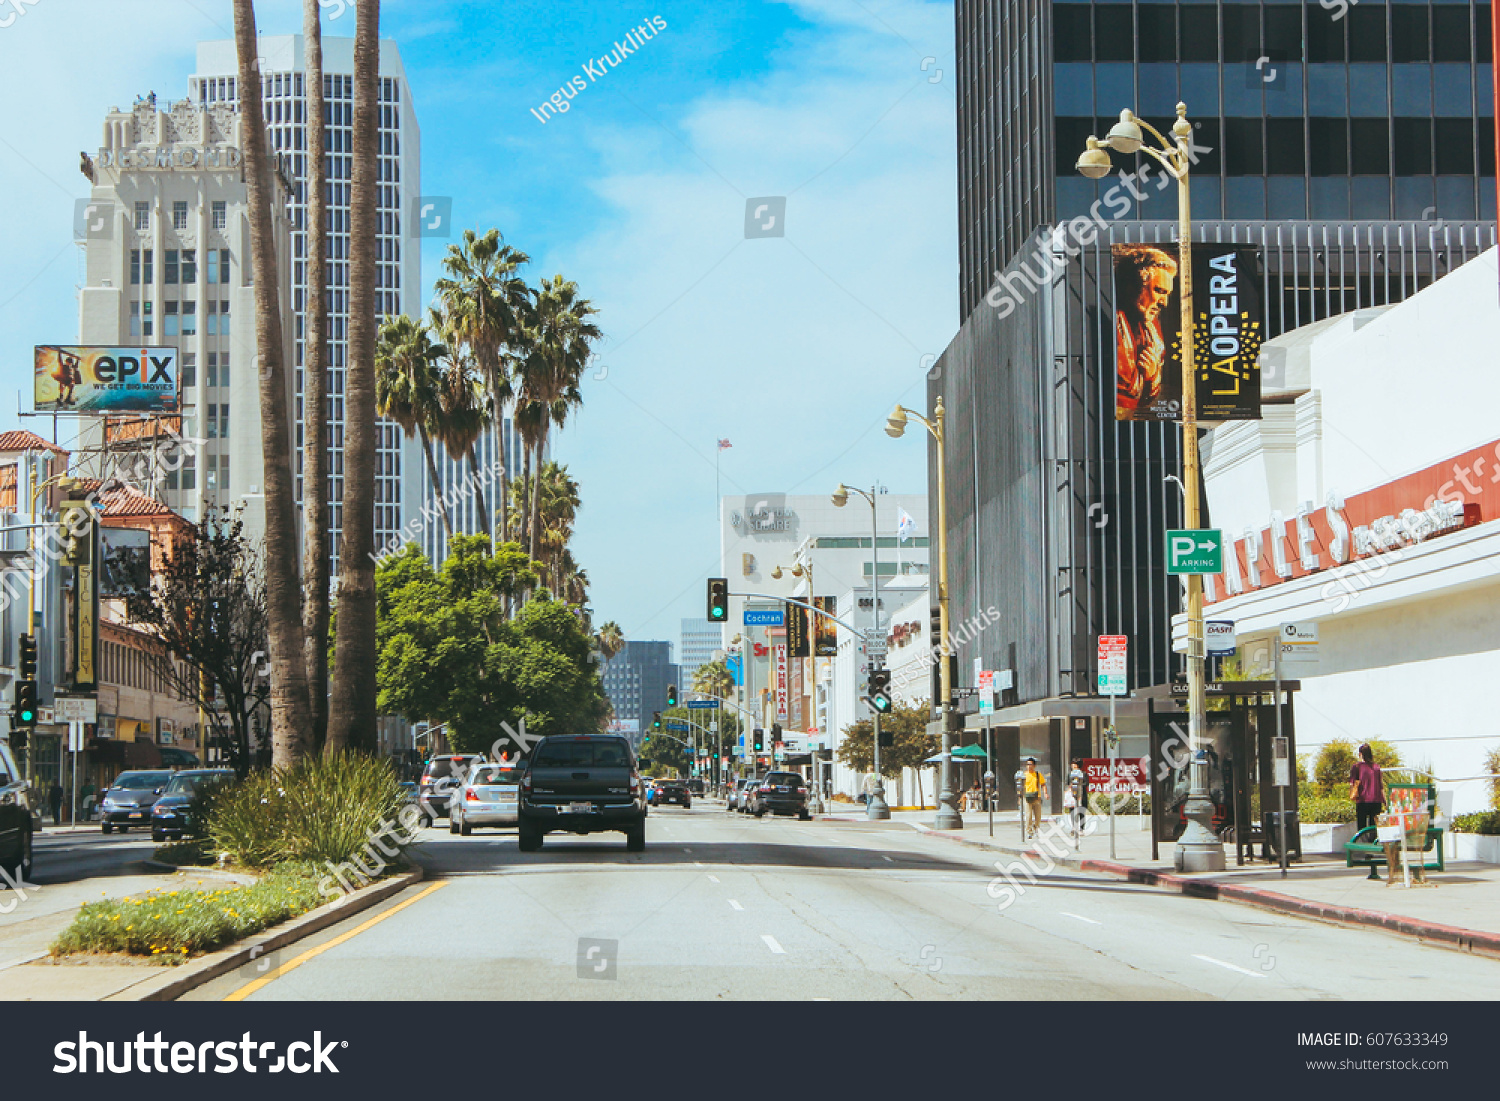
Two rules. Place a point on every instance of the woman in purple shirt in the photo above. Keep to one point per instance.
(1365, 788)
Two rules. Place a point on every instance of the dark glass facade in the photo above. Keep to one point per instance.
(1385, 113)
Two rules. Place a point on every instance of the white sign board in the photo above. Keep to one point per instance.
(1299, 641)
(1218, 634)
(986, 681)
(1004, 678)
(1113, 650)
(71, 709)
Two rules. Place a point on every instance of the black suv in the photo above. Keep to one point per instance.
(672, 791)
(781, 793)
(582, 784)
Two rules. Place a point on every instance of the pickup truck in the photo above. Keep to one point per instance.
(582, 784)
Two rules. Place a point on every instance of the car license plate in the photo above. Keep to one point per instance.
(135, 814)
(580, 808)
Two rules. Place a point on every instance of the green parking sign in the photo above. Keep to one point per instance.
(1190, 551)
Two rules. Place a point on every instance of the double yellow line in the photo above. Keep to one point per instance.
(291, 965)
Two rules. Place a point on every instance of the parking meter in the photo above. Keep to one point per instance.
(1021, 799)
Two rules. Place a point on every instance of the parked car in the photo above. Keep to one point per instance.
(489, 797)
(17, 826)
(739, 798)
(170, 816)
(583, 784)
(672, 791)
(439, 777)
(697, 787)
(128, 801)
(781, 793)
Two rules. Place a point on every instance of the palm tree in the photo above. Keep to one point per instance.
(289, 699)
(315, 553)
(713, 679)
(610, 640)
(488, 303)
(559, 336)
(465, 406)
(408, 390)
(351, 709)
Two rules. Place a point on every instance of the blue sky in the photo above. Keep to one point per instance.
(794, 348)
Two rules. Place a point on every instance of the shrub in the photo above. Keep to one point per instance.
(1484, 821)
(1313, 806)
(184, 853)
(1124, 804)
(1492, 766)
(324, 809)
(170, 926)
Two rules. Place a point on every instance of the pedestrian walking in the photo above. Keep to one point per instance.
(54, 799)
(1366, 788)
(1077, 798)
(1034, 786)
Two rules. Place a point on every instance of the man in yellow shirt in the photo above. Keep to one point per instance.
(1035, 789)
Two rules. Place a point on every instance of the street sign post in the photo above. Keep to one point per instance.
(764, 617)
(1114, 651)
(1218, 635)
(703, 705)
(986, 692)
(1199, 550)
(1299, 641)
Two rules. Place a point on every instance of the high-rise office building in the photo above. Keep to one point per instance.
(1355, 153)
(398, 476)
(635, 680)
(699, 640)
(166, 238)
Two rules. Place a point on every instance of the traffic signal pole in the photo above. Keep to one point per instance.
(876, 809)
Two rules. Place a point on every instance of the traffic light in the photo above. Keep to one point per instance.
(27, 663)
(718, 599)
(25, 709)
(880, 690)
(656, 720)
(760, 739)
(775, 733)
(671, 695)
(937, 628)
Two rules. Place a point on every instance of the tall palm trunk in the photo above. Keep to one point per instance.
(536, 491)
(528, 490)
(351, 709)
(437, 489)
(315, 392)
(484, 514)
(289, 702)
(502, 524)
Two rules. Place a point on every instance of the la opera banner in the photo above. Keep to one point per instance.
(1226, 339)
(78, 379)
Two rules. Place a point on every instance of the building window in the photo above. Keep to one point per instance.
(224, 422)
(190, 319)
(220, 215)
(148, 268)
(169, 319)
(135, 319)
(211, 328)
(223, 270)
(146, 319)
(135, 267)
(179, 215)
(224, 369)
(213, 421)
(211, 378)
(189, 472)
(224, 317)
(169, 266)
(190, 265)
(189, 364)
(142, 216)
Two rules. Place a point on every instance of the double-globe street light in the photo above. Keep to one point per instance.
(1198, 849)
(876, 809)
(947, 816)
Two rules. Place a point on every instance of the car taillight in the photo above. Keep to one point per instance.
(526, 782)
(767, 787)
(471, 796)
(635, 783)
(801, 791)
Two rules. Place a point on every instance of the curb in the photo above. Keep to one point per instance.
(1449, 936)
(190, 976)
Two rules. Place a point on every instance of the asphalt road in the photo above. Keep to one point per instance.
(724, 906)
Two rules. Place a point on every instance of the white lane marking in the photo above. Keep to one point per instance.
(919, 826)
(775, 948)
(884, 857)
(686, 849)
(1232, 967)
(713, 879)
(735, 904)
(697, 863)
(1079, 917)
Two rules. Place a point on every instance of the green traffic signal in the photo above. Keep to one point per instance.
(656, 720)
(671, 695)
(718, 599)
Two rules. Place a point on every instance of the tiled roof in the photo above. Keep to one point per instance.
(124, 500)
(22, 440)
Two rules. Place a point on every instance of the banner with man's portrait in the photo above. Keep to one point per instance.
(1226, 340)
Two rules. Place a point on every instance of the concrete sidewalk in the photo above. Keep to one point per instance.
(1461, 909)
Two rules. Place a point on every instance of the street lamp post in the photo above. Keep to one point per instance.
(804, 569)
(1199, 848)
(876, 809)
(947, 816)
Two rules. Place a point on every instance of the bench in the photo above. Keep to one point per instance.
(1372, 853)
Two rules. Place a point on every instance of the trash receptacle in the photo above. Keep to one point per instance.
(1271, 823)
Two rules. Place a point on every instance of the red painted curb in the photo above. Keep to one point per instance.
(1468, 940)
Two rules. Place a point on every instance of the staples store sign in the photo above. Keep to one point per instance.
(1378, 524)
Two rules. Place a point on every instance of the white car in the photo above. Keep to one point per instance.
(489, 796)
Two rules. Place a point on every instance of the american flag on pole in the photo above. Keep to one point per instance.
(723, 444)
(905, 525)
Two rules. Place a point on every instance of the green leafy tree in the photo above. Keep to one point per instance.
(668, 757)
(447, 652)
(1336, 758)
(913, 745)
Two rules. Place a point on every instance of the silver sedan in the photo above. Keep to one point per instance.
(489, 796)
